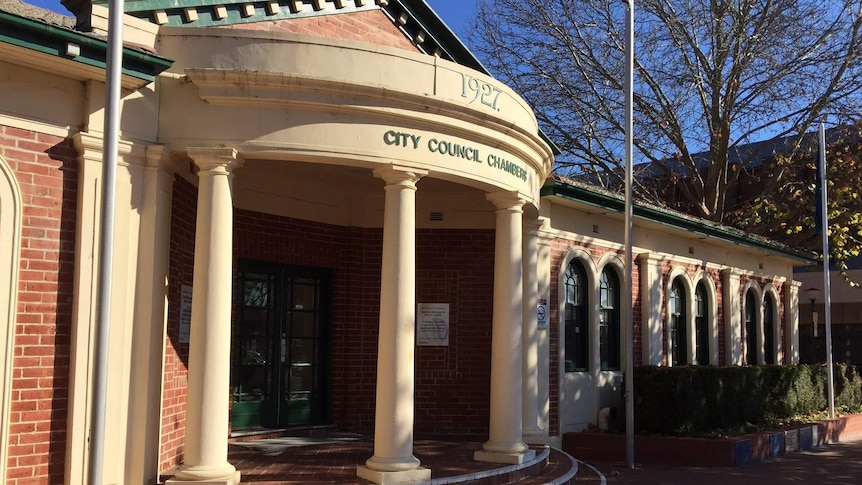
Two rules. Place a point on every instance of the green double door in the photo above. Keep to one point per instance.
(280, 351)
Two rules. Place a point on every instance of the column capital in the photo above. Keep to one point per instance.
(214, 159)
(400, 175)
(534, 225)
(507, 201)
(731, 273)
(91, 147)
(648, 257)
(160, 157)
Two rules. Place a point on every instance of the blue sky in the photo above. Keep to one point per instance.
(456, 13)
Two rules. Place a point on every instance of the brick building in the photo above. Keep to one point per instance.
(327, 213)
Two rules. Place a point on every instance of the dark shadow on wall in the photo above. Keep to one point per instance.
(65, 153)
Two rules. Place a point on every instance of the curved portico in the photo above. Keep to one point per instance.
(325, 128)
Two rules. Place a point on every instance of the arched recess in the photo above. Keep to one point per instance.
(577, 389)
(680, 274)
(609, 382)
(708, 284)
(10, 247)
(752, 309)
(615, 264)
(772, 325)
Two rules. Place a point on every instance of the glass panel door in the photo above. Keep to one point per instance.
(252, 372)
(280, 352)
(301, 333)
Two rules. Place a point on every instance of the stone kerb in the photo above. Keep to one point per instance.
(706, 452)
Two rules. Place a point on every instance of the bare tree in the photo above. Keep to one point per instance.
(711, 76)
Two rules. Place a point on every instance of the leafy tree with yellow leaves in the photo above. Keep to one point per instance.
(785, 209)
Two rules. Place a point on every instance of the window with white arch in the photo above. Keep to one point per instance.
(609, 320)
(701, 325)
(678, 320)
(576, 321)
(769, 323)
(751, 308)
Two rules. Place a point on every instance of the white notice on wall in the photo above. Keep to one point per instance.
(185, 314)
(432, 324)
(542, 314)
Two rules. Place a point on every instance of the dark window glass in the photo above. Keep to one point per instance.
(577, 331)
(609, 320)
(750, 328)
(769, 329)
(701, 326)
(678, 319)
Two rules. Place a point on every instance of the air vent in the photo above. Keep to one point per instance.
(691, 250)
(595, 229)
(435, 217)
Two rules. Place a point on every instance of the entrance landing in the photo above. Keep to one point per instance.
(320, 460)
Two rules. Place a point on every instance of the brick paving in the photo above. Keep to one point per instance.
(266, 462)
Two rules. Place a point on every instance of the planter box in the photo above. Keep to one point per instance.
(703, 452)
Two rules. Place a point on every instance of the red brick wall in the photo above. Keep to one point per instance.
(454, 266)
(46, 169)
(371, 26)
(453, 383)
(181, 272)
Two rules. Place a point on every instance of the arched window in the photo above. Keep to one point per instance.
(701, 325)
(678, 322)
(750, 328)
(769, 329)
(577, 345)
(609, 320)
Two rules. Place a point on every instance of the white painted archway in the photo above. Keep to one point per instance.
(10, 247)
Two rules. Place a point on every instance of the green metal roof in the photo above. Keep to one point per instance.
(52, 40)
(670, 218)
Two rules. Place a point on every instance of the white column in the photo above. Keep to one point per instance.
(505, 443)
(393, 460)
(651, 311)
(209, 352)
(531, 432)
(732, 316)
(791, 322)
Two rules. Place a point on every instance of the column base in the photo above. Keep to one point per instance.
(384, 478)
(228, 480)
(224, 474)
(535, 436)
(504, 458)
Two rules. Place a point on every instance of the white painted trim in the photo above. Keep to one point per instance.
(614, 261)
(770, 296)
(758, 320)
(37, 126)
(585, 258)
(712, 316)
(688, 301)
(10, 248)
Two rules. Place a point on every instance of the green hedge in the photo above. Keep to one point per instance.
(685, 401)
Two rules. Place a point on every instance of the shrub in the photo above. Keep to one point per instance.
(693, 400)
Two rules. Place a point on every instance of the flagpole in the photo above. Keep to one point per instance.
(826, 280)
(110, 150)
(629, 306)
